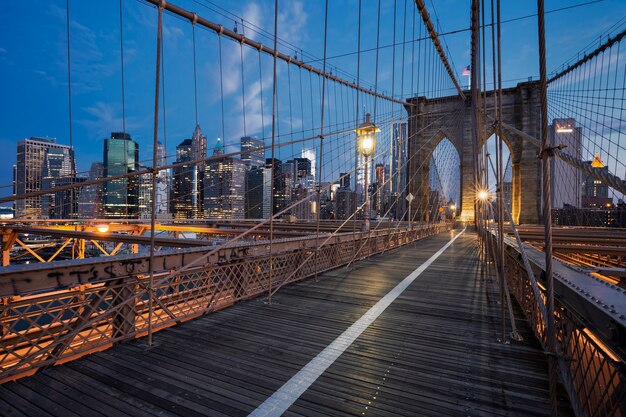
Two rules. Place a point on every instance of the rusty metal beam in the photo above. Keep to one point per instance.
(222, 31)
(29, 279)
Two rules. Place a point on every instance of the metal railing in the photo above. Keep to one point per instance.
(593, 375)
(54, 326)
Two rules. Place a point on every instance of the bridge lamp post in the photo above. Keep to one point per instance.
(366, 133)
(453, 210)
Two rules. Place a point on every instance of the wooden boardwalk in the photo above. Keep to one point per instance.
(432, 352)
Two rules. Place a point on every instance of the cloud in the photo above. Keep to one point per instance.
(105, 118)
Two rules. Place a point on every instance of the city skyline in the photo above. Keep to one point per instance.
(97, 104)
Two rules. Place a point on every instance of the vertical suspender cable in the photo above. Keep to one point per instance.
(356, 111)
(195, 81)
(122, 61)
(69, 104)
(321, 158)
(500, 188)
(273, 146)
(219, 45)
(547, 206)
(243, 93)
(69, 70)
(485, 171)
(154, 169)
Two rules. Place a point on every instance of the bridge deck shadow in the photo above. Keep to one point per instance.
(432, 352)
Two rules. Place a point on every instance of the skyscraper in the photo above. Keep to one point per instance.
(595, 192)
(566, 181)
(58, 171)
(278, 186)
(224, 194)
(253, 154)
(310, 155)
(144, 196)
(188, 195)
(184, 205)
(121, 196)
(29, 170)
(399, 146)
(163, 184)
(258, 193)
(91, 198)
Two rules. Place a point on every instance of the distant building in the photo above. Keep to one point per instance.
(60, 204)
(310, 155)
(188, 179)
(288, 171)
(344, 203)
(279, 197)
(145, 196)
(163, 184)
(399, 146)
(121, 196)
(58, 171)
(306, 207)
(91, 198)
(252, 152)
(593, 188)
(566, 181)
(225, 187)
(344, 180)
(29, 171)
(258, 193)
(602, 216)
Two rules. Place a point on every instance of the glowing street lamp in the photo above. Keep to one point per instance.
(366, 133)
(483, 196)
(102, 228)
(453, 210)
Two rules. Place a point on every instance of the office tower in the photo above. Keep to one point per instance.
(121, 155)
(288, 171)
(253, 154)
(278, 186)
(28, 173)
(91, 198)
(225, 189)
(380, 190)
(145, 196)
(310, 155)
(184, 200)
(258, 189)
(58, 171)
(344, 203)
(344, 180)
(566, 181)
(198, 152)
(163, 184)
(398, 165)
(595, 193)
(305, 209)
(188, 196)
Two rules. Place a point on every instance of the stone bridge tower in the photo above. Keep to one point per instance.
(431, 120)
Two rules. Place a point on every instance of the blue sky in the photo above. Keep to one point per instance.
(33, 62)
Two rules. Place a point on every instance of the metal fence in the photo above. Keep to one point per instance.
(593, 376)
(56, 326)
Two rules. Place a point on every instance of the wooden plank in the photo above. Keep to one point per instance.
(432, 352)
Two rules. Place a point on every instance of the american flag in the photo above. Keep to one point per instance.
(466, 71)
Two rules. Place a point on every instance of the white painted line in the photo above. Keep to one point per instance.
(286, 395)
